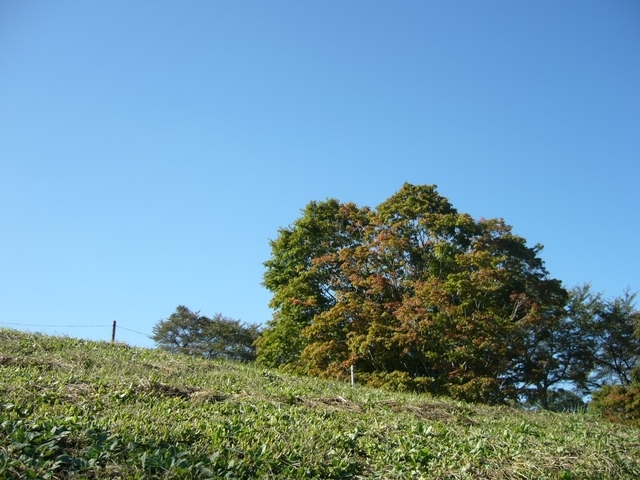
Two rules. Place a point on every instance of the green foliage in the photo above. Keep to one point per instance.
(616, 329)
(299, 282)
(90, 410)
(557, 350)
(420, 297)
(413, 290)
(618, 403)
(194, 334)
(562, 400)
(281, 343)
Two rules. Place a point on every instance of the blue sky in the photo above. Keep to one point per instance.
(149, 150)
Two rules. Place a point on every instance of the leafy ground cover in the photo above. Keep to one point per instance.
(72, 408)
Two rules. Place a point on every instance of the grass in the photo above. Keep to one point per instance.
(72, 408)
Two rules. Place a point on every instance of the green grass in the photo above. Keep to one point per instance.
(72, 408)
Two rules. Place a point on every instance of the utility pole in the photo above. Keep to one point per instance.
(113, 332)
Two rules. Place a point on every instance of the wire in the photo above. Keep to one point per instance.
(129, 330)
(118, 327)
(60, 326)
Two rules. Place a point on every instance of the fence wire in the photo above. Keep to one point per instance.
(76, 326)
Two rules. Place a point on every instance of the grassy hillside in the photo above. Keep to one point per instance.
(75, 408)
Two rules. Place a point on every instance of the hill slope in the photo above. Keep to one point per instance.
(75, 408)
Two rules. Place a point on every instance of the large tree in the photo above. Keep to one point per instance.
(413, 294)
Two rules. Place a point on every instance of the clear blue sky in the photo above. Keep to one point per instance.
(150, 149)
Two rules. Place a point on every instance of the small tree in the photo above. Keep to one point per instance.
(214, 338)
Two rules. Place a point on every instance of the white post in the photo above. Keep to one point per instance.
(353, 378)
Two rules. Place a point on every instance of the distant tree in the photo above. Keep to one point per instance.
(194, 334)
(562, 400)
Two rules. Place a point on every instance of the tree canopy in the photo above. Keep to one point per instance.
(415, 295)
(219, 337)
(615, 378)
